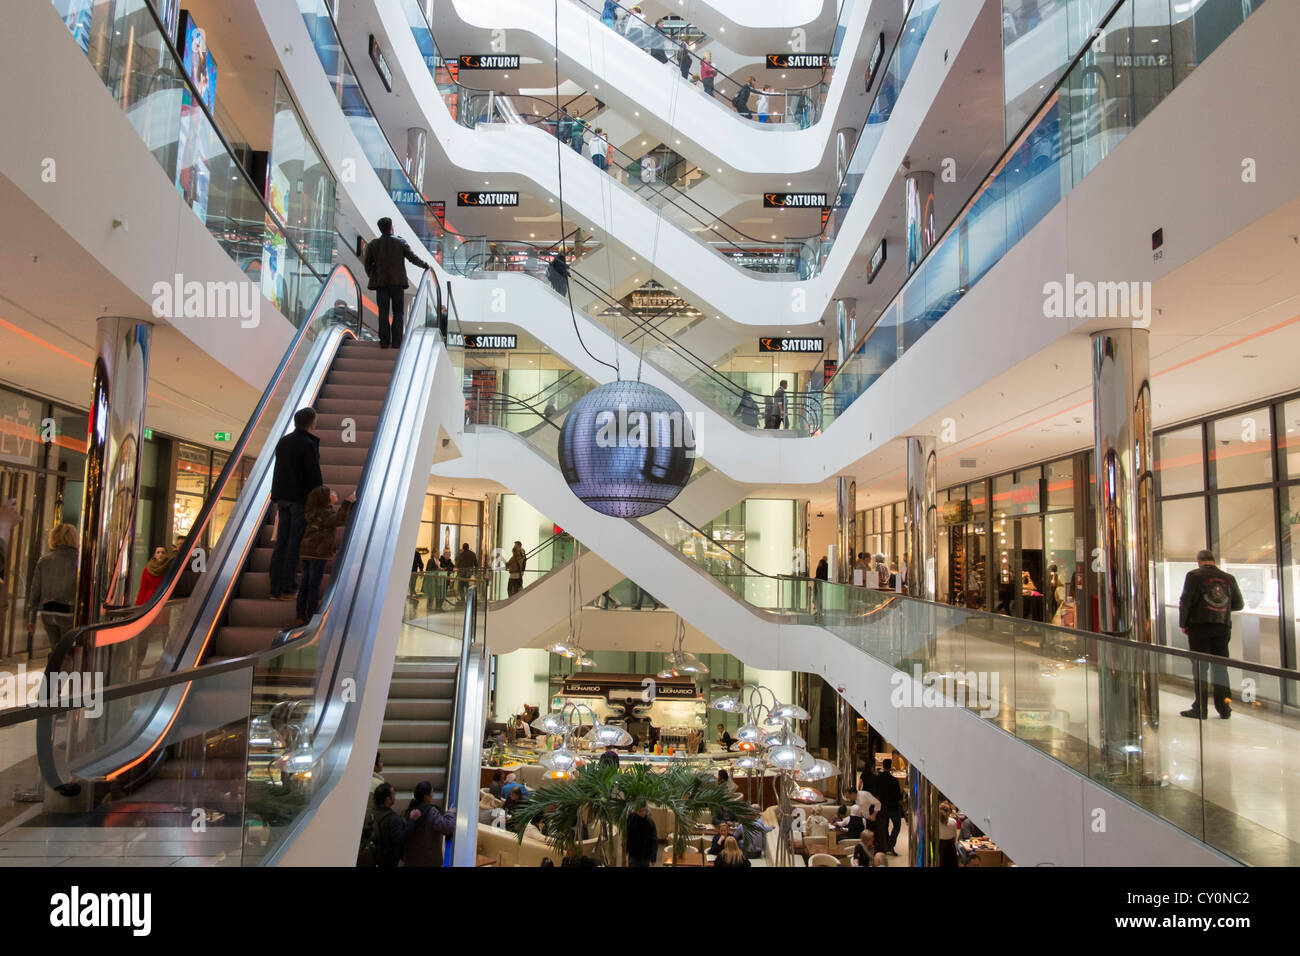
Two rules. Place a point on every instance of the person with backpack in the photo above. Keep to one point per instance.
(741, 101)
(1209, 597)
(390, 832)
(428, 826)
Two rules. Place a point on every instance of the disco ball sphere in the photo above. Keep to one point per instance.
(626, 449)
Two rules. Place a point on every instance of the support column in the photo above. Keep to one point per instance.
(846, 744)
(846, 520)
(417, 143)
(921, 230)
(922, 518)
(923, 823)
(1125, 561)
(846, 331)
(119, 391)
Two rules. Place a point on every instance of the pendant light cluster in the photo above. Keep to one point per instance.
(562, 762)
(571, 647)
(681, 662)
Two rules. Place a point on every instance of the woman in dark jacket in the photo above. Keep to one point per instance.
(319, 545)
(53, 585)
(741, 102)
(428, 826)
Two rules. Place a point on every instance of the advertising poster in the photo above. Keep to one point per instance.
(194, 135)
(273, 265)
(77, 20)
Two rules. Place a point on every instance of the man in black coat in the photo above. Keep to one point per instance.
(386, 260)
(641, 838)
(1209, 597)
(297, 472)
(390, 830)
(890, 795)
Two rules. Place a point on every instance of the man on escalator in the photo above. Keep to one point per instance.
(386, 260)
(297, 472)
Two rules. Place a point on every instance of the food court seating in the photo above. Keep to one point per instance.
(823, 859)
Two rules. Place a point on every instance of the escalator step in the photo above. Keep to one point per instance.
(349, 408)
(421, 731)
(418, 709)
(246, 612)
(238, 641)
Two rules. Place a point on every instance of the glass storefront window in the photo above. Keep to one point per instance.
(1180, 461)
(1288, 438)
(1060, 484)
(1289, 520)
(1246, 546)
(1241, 449)
(20, 430)
(1182, 530)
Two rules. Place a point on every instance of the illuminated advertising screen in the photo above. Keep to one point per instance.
(194, 134)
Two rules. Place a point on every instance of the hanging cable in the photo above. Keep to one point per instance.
(559, 173)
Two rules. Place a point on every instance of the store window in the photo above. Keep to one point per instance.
(1245, 544)
(1241, 449)
(1180, 462)
(1182, 534)
(1060, 484)
(1288, 439)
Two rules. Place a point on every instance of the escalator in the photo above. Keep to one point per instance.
(216, 707)
(1032, 698)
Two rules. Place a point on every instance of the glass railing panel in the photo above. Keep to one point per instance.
(1077, 127)
(140, 68)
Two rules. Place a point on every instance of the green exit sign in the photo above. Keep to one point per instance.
(221, 436)
(148, 434)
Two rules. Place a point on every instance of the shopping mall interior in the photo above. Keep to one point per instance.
(417, 401)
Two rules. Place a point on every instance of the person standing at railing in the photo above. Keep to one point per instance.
(684, 60)
(1209, 597)
(557, 274)
(466, 565)
(598, 146)
(707, 73)
(781, 407)
(609, 15)
(747, 411)
(515, 569)
(764, 103)
(385, 266)
(741, 102)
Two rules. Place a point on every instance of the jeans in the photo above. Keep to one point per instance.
(708, 86)
(659, 55)
(394, 297)
(599, 161)
(607, 20)
(313, 570)
(291, 522)
(513, 586)
(1210, 639)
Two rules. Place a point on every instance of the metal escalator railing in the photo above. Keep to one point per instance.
(122, 746)
(262, 738)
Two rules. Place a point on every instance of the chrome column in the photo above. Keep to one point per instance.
(1124, 560)
(846, 744)
(845, 139)
(119, 392)
(921, 230)
(417, 144)
(923, 823)
(922, 518)
(846, 330)
(846, 511)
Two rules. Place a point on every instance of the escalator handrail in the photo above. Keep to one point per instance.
(146, 613)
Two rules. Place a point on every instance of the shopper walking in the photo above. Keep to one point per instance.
(741, 100)
(890, 795)
(319, 545)
(641, 838)
(152, 575)
(386, 269)
(707, 73)
(390, 832)
(297, 472)
(781, 405)
(53, 586)
(1209, 597)
(424, 846)
(515, 569)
